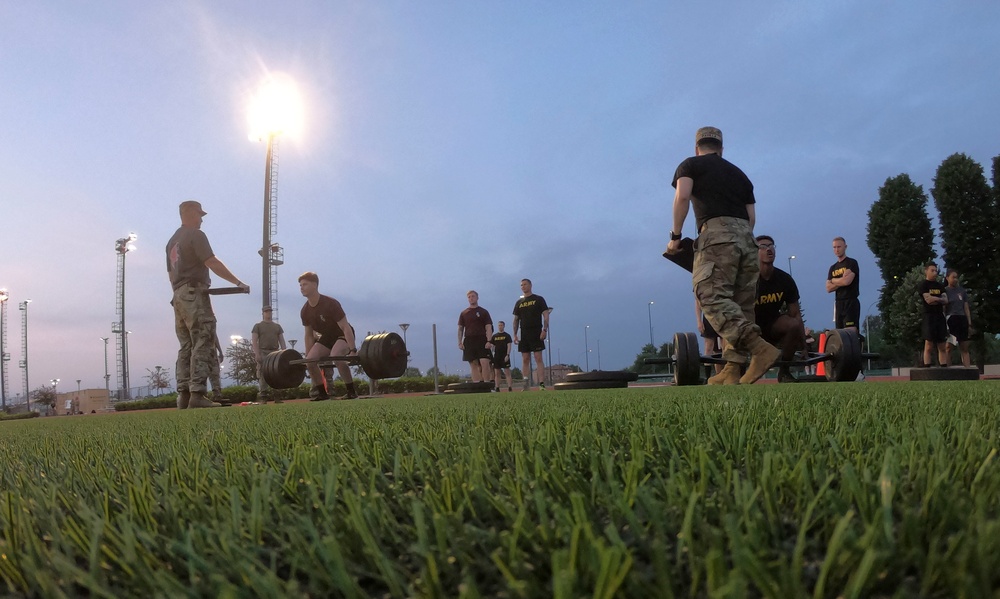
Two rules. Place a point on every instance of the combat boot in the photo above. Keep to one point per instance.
(730, 375)
(763, 355)
(198, 400)
(183, 399)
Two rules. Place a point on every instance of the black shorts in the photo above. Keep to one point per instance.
(767, 332)
(958, 325)
(935, 328)
(709, 330)
(475, 348)
(329, 341)
(848, 313)
(501, 361)
(530, 341)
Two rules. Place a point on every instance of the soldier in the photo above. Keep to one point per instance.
(501, 356)
(475, 327)
(777, 310)
(189, 259)
(327, 333)
(532, 314)
(843, 280)
(267, 336)
(725, 256)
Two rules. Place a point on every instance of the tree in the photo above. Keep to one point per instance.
(649, 351)
(158, 379)
(970, 219)
(906, 316)
(900, 236)
(516, 374)
(242, 364)
(45, 396)
(412, 372)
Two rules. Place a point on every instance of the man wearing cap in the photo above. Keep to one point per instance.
(189, 259)
(725, 269)
(267, 337)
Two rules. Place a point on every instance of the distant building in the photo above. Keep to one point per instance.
(82, 402)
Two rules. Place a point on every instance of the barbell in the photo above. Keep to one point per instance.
(381, 356)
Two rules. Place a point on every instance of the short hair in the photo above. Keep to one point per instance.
(707, 143)
(761, 238)
(309, 276)
(528, 281)
(841, 240)
(501, 322)
(930, 264)
(950, 271)
(471, 291)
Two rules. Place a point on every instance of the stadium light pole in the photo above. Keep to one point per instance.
(649, 311)
(586, 343)
(4, 296)
(276, 109)
(23, 307)
(107, 377)
(790, 258)
(404, 326)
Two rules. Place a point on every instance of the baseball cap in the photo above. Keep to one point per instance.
(708, 133)
(192, 205)
(267, 309)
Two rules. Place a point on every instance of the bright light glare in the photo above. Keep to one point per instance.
(276, 109)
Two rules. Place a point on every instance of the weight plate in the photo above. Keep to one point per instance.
(383, 356)
(470, 387)
(278, 371)
(844, 348)
(951, 373)
(687, 362)
(569, 386)
(602, 375)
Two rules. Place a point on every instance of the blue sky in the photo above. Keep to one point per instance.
(452, 146)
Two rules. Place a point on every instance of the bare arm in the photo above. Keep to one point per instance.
(281, 341)
(461, 335)
(220, 269)
(514, 328)
(255, 342)
(793, 310)
(752, 214)
(308, 338)
(682, 203)
(545, 324)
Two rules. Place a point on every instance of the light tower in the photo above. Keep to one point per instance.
(23, 307)
(122, 247)
(107, 377)
(4, 356)
(275, 110)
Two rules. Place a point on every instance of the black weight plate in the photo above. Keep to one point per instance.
(951, 373)
(844, 348)
(569, 386)
(602, 375)
(383, 356)
(687, 365)
(278, 371)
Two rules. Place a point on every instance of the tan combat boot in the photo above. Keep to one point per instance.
(763, 355)
(198, 400)
(183, 398)
(730, 375)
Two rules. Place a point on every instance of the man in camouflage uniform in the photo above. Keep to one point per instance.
(725, 255)
(189, 258)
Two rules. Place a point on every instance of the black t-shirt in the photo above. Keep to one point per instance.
(720, 188)
(323, 318)
(187, 251)
(772, 295)
(474, 321)
(529, 310)
(840, 269)
(935, 288)
(500, 343)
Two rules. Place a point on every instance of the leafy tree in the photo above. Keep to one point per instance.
(158, 379)
(242, 364)
(44, 395)
(650, 351)
(969, 220)
(516, 374)
(901, 238)
(413, 372)
(905, 319)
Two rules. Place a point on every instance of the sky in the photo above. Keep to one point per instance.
(449, 146)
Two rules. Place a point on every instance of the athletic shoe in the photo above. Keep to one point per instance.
(318, 393)
(541, 386)
(785, 376)
(510, 388)
(351, 395)
(495, 390)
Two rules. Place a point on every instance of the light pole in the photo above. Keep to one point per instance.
(598, 354)
(586, 343)
(404, 326)
(275, 110)
(23, 307)
(790, 258)
(55, 391)
(649, 311)
(122, 247)
(868, 331)
(4, 296)
(107, 377)
(292, 342)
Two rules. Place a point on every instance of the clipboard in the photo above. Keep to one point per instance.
(684, 256)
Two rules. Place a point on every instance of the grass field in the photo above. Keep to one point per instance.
(823, 490)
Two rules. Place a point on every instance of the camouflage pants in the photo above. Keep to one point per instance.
(724, 277)
(215, 372)
(194, 323)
